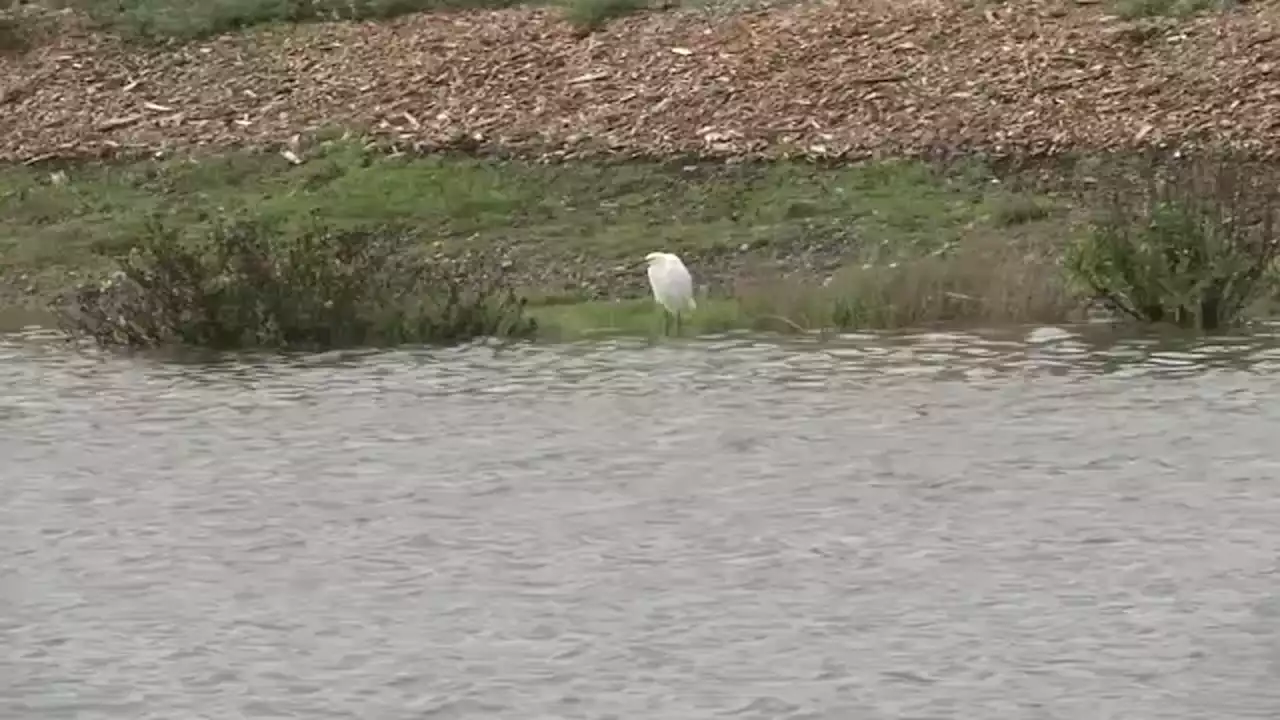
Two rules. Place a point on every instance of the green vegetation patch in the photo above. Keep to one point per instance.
(785, 246)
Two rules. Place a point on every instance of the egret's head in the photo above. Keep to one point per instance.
(655, 257)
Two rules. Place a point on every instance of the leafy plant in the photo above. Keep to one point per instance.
(1191, 244)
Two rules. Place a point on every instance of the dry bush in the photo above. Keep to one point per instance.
(986, 279)
(251, 285)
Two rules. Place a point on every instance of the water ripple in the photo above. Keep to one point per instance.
(1038, 523)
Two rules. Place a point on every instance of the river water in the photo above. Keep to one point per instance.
(1031, 524)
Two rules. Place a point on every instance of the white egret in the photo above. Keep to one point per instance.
(672, 286)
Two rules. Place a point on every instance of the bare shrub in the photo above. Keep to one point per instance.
(986, 279)
(247, 284)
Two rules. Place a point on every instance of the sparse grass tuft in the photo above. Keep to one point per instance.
(1191, 243)
(248, 285)
(19, 31)
(591, 15)
(13, 37)
(1020, 209)
(1137, 9)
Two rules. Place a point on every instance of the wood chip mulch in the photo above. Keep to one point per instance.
(818, 79)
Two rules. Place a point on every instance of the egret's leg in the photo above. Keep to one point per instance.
(677, 323)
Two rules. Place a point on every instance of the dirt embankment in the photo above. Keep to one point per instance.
(852, 78)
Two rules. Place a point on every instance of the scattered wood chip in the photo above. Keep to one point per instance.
(291, 156)
(1262, 40)
(1016, 81)
(879, 79)
(589, 77)
(118, 122)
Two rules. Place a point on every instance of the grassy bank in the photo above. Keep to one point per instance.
(570, 229)
(778, 246)
(570, 234)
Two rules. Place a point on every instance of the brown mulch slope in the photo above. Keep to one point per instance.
(891, 76)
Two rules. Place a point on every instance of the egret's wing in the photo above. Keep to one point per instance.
(685, 282)
(654, 280)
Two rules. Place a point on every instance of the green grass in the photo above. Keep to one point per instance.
(568, 230)
(161, 20)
